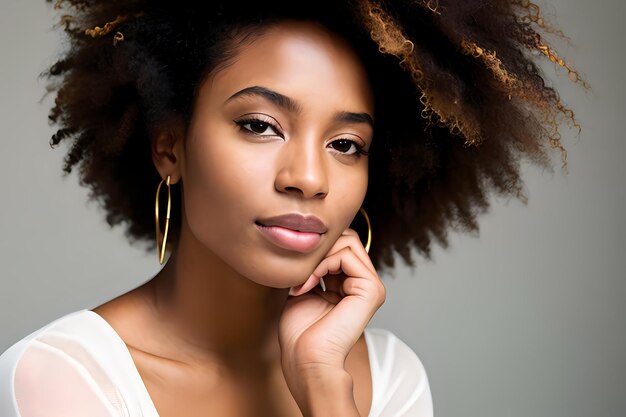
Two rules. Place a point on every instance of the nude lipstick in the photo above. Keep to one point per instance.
(292, 231)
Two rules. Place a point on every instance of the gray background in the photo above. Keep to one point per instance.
(526, 319)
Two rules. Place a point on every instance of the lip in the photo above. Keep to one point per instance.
(297, 222)
(293, 231)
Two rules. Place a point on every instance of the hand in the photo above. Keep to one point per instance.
(318, 328)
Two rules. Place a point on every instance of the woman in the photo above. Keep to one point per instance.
(264, 130)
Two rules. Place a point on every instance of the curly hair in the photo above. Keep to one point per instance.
(460, 101)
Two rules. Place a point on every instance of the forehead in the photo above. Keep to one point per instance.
(301, 60)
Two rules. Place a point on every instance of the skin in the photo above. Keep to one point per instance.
(232, 316)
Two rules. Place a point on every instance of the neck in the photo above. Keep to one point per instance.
(214, 310)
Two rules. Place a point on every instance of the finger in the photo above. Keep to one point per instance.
(351, 238)
(305, 287)
(331, 284)
(364, 291)
(347, 263)
(311, 282)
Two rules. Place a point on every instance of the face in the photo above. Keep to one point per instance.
(278, 131)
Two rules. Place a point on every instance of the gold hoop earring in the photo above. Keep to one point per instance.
(161, 240)
(369, 230)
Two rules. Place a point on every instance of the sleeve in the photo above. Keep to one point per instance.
(42, 380)
(400, 386)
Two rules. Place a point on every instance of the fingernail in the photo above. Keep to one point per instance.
(323, 284)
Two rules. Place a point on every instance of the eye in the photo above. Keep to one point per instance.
(258, 126)
(348, 147)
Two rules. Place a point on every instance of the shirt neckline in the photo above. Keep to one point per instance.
(140, 386)
(129, 365)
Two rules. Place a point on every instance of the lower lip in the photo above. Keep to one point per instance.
(290, 239)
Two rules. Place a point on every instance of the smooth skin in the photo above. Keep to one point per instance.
(234, 325)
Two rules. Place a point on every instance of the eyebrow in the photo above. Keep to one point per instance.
(293, 106)
(351, 117)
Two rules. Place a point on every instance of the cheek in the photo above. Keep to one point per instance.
(350, 193)
(226, 188)
(220, 188)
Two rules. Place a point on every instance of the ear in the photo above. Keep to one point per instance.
(167, 145)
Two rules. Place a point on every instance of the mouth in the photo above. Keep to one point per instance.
(293, 231)
(286, 238)
(295, 221)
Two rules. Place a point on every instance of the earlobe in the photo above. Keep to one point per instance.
(167, 149)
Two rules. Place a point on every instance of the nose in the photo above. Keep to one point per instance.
(302, 169)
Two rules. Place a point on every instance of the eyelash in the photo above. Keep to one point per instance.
(242, 122)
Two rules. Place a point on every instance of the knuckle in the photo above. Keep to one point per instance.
(350, 232)
(346, 250)
(342, 243)
(350, 240)
(383, 295)
(381, 292)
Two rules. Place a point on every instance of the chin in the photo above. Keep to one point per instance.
(279, 272)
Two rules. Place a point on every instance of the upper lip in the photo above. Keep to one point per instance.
(296, 221)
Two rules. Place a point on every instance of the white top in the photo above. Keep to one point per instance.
(78, 366)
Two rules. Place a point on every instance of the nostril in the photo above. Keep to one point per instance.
(293, 189)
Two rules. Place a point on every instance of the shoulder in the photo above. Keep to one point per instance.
(56, 371)
(399, 381)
